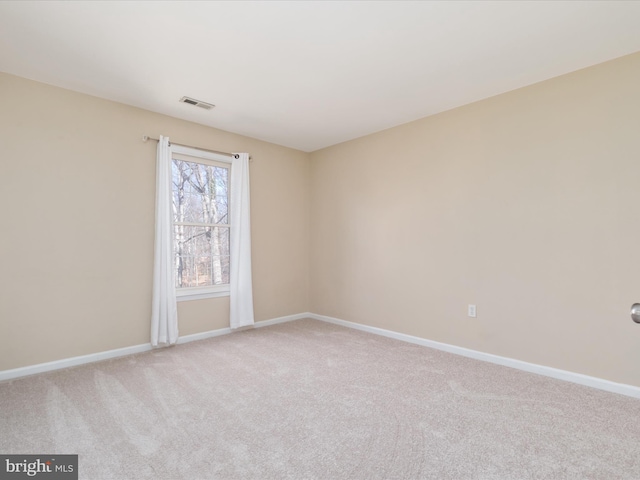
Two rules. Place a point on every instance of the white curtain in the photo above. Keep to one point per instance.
(241, 291)
(164, 311)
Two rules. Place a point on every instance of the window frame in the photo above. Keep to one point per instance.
(206, 158)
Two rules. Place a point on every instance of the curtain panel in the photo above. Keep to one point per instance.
(241, 290)
(164, 309)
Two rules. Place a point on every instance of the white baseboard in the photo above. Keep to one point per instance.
(599, 383)
(288, 318)
(121, 352)
(202, 335)
(72, 362)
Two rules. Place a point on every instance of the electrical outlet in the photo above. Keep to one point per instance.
(471, 311)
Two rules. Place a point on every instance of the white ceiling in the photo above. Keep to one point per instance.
(308, 74)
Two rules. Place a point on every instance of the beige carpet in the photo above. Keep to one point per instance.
(312, 400)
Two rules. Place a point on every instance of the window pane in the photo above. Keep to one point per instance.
(221, 241)
(224, 268)
(200, 192)
(202, 255)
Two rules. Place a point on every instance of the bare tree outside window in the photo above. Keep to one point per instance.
(201, 223)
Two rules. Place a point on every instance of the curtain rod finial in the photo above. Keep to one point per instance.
(145, 138)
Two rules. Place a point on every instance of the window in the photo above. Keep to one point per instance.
(200, 205)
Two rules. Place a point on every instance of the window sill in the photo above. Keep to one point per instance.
(186, 294)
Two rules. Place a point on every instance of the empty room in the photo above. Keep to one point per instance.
(320, 240)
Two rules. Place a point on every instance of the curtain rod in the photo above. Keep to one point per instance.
(234, 155)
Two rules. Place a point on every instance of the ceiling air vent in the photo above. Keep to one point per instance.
(197, 103)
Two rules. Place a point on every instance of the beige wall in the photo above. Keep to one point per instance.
(77, 190)
(526, 204)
